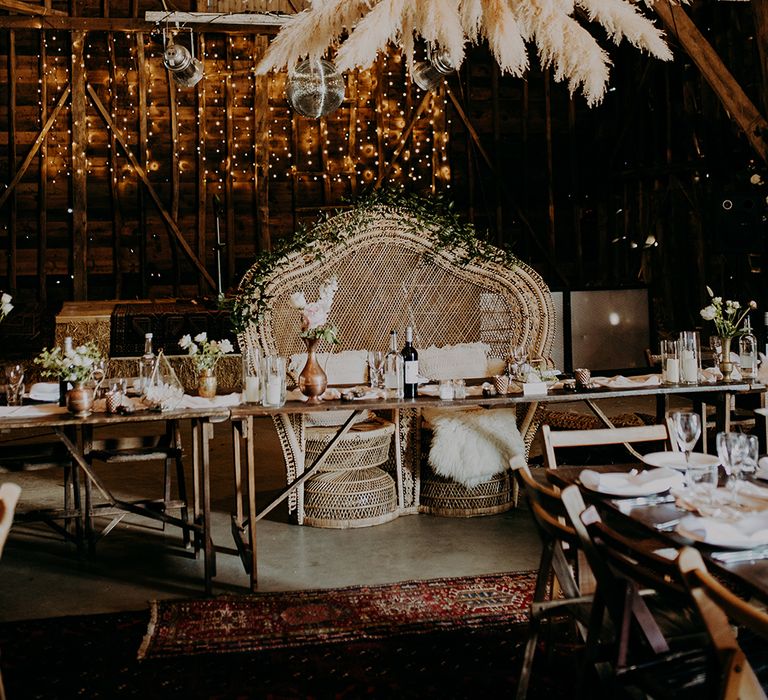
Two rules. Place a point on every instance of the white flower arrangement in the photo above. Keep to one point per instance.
(314, 315)
(5, 305)
(727, 316)
(76, 365)
(205, 353)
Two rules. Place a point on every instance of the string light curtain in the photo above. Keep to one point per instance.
(360, 29)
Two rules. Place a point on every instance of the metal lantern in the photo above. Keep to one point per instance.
(315, 88)
(429, 74)
(182, 66)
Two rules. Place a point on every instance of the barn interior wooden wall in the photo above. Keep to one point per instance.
(116, 174)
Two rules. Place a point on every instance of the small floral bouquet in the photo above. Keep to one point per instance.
(314, 315)
(76, 365)
(728, 316)
(205, 353)
(5, 305)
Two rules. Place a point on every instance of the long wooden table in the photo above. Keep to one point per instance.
(246, 516)
(753, 575)
(70, 430)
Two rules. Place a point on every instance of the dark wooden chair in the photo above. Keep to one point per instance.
(557, 590)
(9, 497)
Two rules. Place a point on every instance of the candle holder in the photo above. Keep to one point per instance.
(273, 381)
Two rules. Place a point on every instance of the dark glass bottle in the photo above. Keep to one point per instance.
(411, 365)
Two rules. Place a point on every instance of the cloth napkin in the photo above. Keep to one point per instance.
(749, 531)
(621, 382)
(762, 468)
(632, 483)
(713, 374)
(330, 394)
(222, 401)
(30, 411)
(44, 391)
(474, 390)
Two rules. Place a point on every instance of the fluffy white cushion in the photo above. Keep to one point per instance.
(463, 361)
(471, 446)
(348, 367)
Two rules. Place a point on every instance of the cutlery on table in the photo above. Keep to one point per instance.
(643, 500)
(733, 557)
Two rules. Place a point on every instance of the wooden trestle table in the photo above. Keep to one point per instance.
(247, 515)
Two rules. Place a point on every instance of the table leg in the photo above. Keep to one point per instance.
(252, 519)
(398, 460)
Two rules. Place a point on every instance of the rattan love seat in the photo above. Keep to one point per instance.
(394, 269)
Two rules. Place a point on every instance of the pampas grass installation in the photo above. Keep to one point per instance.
(360, 29)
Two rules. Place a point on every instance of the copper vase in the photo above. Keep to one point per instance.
(313, 380)
(206, 384)
(80, 400)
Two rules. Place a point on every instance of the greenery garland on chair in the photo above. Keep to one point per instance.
(434, 214)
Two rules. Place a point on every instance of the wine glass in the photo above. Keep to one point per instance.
(687, 431)
(716, 346)
(98, 374)
(14, 375)
(732, 449)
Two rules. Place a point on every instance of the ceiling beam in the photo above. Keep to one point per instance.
(224, 23)
(733, 98)
(27, 8)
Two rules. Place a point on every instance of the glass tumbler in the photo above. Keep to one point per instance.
(690, 357)
(273, 381)
(670, 362)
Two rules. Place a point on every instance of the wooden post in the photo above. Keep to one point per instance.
(499, 223)
(229, 127)
(141, 76)
(261, 148)
(352, 79)
(378, 70)
(114, 192)
(42, 186)
(733, 98)
(760, 11)
(551, 241)
(174, 208)
(202, 179)
(12, 80)
(79, 169)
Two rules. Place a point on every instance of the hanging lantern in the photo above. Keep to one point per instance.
(183, 67)
(429, 74)
(315, 88)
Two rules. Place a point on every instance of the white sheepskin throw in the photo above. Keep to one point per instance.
(472, 446)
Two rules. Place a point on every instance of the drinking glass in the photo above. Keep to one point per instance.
(519, 357)
(690, 354)
(98, 374)
(732, 449)
(716, 346)
(702, 481)
(687, 431)
(752, 454)
(670, 362)
(376, 368)
(14, 375)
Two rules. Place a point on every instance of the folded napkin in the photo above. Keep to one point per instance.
(762, 468)
(30, 411)
(474, 390)
(330, 394)
(44, 391)
(222, 401)
(632, 483)
(621, 382)
(749, 531)
(713, 374)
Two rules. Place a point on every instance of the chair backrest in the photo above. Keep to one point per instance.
(9, 497)
(393, 272)
(717, 606)
(547, 508)
(603, 436)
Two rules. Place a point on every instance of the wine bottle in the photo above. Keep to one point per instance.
(410, 365)
(393, 369)
(64, 384)
(765, 331)
(748, 352)
(146, 363)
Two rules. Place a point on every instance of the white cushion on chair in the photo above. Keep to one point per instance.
(462, 361)
(347, 367)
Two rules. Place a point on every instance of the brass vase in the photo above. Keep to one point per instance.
(206, 384)
(80, 400)
(313, 380)
(726, 366)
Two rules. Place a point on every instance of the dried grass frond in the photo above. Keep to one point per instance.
(382, 24)
(439, 22)
(504, 37)
(471, 12)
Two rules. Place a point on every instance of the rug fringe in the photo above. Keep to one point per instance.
(150, 633)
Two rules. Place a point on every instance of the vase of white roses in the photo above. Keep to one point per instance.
(5, 305)
(313, 380)
(205, 356)
(728, 317)
(74, 365)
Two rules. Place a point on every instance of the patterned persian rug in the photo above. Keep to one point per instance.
(300, 618)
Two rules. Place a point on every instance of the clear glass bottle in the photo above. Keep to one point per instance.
(146, 363)
(393, 369)
(64, 384)
(411, 366)
(748, 352)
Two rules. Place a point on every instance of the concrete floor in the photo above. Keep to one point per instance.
(42, 576)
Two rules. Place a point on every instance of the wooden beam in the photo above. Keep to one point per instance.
(175, 184)
(114, 190)
(42, 186)
(760, 11)
(551, 240)
(261, 148)
(202, 180)
(150, 189)
(120, 24)
(27, 8)
(141, 89)
(12, 223)
(35, 146)
(724, 85)
(79, 169)
(246, 19)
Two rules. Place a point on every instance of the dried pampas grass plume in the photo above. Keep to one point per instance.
(360, 29)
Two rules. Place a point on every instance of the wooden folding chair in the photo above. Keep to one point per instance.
(717, 607)
(602, 436)
(630, 638)
(559, 544)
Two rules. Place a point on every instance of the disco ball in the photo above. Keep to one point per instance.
(315, 88)
(428, 75)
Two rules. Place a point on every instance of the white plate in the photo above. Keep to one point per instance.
(676, 460)
(650, 488)
(725, 542)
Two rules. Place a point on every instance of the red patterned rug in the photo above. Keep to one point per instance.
(300, 618)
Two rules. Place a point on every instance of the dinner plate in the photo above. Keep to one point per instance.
(627, 490)
(687, 528)
(676, 460)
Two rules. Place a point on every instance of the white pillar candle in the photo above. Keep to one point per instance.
(689, 368)
(672, 372)
(274, 391)
(251, 392)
